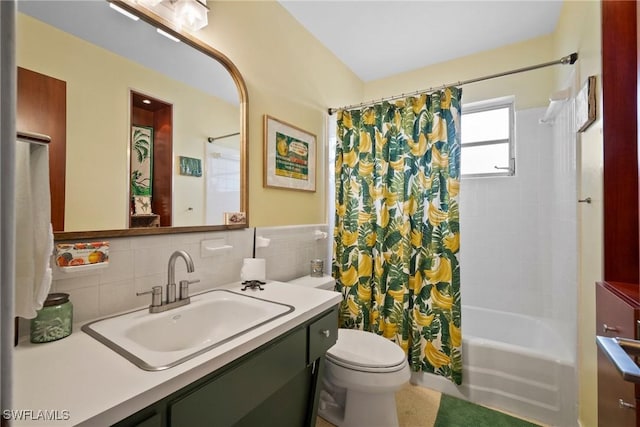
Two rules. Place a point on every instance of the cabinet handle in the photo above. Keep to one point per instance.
(606, 328)
(326, 333)
(624, 405)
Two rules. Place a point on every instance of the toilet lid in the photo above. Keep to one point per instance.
(360, 349)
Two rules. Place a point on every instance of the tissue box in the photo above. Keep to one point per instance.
(74, 254)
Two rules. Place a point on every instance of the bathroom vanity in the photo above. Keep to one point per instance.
(278, 381)
(271, 372)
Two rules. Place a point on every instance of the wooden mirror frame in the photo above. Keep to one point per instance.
(195, 43)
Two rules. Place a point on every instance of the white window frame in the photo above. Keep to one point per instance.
(487, 105)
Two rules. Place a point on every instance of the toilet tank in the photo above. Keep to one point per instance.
(324, 282)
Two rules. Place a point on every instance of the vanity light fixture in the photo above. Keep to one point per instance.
(124, 12)
(150, 3)
(167, 35)
(190, 14)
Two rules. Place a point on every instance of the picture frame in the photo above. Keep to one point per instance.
(141, 160)
(190, 166)
(235, 218)
(142, 205)
(289, 156)
(586, 104)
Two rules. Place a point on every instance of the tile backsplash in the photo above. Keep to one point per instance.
(138, 263)
(291, 250)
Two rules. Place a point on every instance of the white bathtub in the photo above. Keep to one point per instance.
(515, 363)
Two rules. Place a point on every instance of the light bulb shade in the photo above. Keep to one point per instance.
(191, 14)
(149, 3)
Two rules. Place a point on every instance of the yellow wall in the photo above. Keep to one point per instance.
(292, 77)
(289, 76)
(531, 89)
(98, 125)
(579, 29)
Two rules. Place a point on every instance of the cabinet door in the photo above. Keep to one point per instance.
(226, 399)
(616, 397)
(145, 418)
(614, 317)
(323, 334)
(289, 406)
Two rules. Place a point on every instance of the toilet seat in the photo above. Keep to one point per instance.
(366, 352)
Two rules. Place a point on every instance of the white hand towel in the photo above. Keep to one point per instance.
(34, 235)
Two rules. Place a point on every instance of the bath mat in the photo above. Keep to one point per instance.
(460, 413)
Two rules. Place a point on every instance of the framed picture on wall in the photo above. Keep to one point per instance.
(232, 218)
(141, 160)
(142, 205)
(190, 166)
(586, 104)
(289, 156)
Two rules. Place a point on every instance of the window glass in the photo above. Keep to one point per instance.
(487, 139)
(483, 159)
(485, 125)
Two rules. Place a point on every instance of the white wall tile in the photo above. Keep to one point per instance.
(85, 303)
(77, 282)
(120, 267)
(518, 237)
(117, 296)
(150, 259)
(291, 250)
(136, 264)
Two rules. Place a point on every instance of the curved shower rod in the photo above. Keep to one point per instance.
(565, 60)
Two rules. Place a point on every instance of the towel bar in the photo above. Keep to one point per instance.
(33, 137)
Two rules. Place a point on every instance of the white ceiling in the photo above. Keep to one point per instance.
(376, 39)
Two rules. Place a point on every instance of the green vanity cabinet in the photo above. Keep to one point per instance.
(276, 384)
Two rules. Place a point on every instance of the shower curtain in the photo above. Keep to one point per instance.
(397, 233)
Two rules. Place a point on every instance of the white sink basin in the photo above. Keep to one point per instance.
(156, 341)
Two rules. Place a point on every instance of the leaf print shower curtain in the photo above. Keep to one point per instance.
(397, 232)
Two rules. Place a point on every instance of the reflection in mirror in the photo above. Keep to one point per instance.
(104, 58)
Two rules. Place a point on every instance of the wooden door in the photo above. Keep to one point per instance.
(42, 108)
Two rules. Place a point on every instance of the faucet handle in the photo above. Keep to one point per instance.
(156, 295)
(184, 287)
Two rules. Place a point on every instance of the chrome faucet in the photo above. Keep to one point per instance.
(157, 305)
(171, 273)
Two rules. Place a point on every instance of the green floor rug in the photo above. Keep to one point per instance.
(460, 413)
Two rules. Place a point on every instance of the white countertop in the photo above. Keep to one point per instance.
(91, 385)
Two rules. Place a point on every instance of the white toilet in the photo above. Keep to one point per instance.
(362, 373)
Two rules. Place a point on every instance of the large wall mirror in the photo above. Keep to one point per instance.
(129, 90)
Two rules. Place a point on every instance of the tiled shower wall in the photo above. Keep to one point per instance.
(518, 234)
(138, 263)
(563, 234)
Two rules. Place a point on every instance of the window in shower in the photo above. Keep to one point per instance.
(487, 130)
